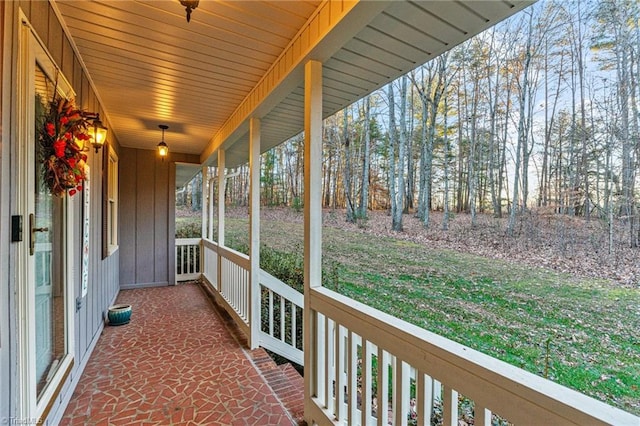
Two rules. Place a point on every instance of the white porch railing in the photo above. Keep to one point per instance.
(210, 270)
(280, 314)
(352, 341)
(227, 272)
(371, 368)
(281, 310)
(188, 259)
(234, 281)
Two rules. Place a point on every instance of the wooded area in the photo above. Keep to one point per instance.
(539, 113)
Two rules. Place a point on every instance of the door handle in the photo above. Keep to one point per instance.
(32, 238)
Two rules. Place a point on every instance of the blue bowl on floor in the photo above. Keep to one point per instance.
(119, 314)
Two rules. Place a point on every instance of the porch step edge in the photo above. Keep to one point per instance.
(285, 381)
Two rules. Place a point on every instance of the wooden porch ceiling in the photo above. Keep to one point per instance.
(149, 66)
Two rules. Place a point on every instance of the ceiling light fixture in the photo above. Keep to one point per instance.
(97, 132)
(189, 5)
(163, 149)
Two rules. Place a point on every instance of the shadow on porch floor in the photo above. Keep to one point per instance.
(178, 362)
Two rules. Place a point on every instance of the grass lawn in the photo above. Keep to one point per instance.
(188, 227)
(582, 333)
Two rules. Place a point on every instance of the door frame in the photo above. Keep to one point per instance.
(31, 50)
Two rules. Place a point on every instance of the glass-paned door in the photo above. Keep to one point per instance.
(47, 255)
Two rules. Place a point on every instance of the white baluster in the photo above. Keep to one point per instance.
(367, 380)
(450, 407)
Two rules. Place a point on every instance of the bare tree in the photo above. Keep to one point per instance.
(400, 170)
(392, 159)
(366, 157)
(522, 131)
(447, 153)
(430, 90)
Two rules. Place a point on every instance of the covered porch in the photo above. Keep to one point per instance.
(361, 366)
(225, 108)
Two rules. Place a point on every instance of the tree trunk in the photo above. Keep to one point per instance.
(400, 188)
(522, 131)
(348, 184)
(447, 148)
(364, 192)
(471, 177)
(392, 157)
(410, 181)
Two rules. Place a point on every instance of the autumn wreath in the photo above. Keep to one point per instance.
(62, 136)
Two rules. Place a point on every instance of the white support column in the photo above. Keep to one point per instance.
(221, 185)
(205, 201)
(210, 209)
(312, 221)
(254, 231)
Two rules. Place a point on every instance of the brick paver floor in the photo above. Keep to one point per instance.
(174, 363)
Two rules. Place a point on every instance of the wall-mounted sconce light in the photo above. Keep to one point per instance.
(189, 5)
(163, 149)
(97, 131)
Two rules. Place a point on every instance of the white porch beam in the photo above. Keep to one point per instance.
(312, 220)
(254, 232)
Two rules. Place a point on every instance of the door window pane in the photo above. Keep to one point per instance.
(48, 257)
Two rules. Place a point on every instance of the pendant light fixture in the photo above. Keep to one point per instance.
(163, 149)
(189, 5)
